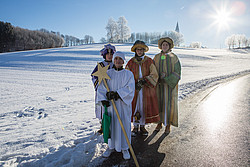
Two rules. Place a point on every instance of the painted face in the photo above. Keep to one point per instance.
(109, 56)
(139, 51)
(165, 46)
(118, 62)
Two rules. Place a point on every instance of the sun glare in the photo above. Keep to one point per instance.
(223, 15)
(222, 18)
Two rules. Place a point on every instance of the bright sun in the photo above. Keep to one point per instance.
(222, 18)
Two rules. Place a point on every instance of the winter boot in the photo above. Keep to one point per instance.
(107, 153)
(134, 131)
(158, 127)
(167, 129)
(144, 132)
(126, 154)
(100, 130)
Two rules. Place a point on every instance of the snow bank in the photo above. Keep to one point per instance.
(189, 88)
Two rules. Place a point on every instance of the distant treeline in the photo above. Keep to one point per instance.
(18, 39)
(237, 41)
(119, 32)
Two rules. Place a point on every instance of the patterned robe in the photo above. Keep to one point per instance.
(167, 88)
(149, 73)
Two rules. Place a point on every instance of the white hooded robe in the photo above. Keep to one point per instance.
(123, 83)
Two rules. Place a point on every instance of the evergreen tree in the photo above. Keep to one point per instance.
(6, 36)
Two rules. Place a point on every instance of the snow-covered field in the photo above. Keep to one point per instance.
(47, 100)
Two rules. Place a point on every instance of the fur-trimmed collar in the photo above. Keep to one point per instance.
(142, 61)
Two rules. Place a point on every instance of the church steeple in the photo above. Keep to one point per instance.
(177, 28)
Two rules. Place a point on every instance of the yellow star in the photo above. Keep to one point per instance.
(101, 73)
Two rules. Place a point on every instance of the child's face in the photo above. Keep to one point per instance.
(109, 56)
(165, 46)
(118, 62)
(139, 51)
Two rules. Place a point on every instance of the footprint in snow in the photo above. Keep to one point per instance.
(49, 99)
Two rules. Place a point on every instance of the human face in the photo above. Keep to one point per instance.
(139, 51)
(118, 62)
(109, 56)
(165, 47)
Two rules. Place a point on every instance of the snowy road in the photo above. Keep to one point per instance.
(213, 131)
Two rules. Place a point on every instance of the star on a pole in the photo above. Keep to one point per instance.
(101, 73)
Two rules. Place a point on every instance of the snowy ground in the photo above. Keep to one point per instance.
(47, 100)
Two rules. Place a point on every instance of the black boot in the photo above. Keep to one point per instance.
(134, 131)
(143, 131)
(100, 130)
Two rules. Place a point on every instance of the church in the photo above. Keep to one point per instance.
(177, 28)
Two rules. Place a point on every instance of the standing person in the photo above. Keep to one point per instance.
(107, 54)
(144, 105)
(169, 70)
(122, 87)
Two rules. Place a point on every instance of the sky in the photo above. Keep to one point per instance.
(205, 21)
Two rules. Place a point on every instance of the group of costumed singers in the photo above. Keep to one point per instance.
(145, 91)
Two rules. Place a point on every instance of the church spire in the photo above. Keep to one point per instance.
(177, 28)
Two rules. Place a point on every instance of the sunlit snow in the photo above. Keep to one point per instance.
(47, 99)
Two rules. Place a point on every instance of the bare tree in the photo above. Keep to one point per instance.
(138, 36)
(241, 39)
(111, 30)
(132, 38)
(123, 29)
(177, 37)
(235, 39)
(195, 45)
(154, 37)
(91, 39)
(228, 42)
(103, 40)
(147, 37)
(245, 41)
(67, 40)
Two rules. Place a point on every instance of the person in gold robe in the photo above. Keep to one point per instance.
(144, 106)
(169, 70)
